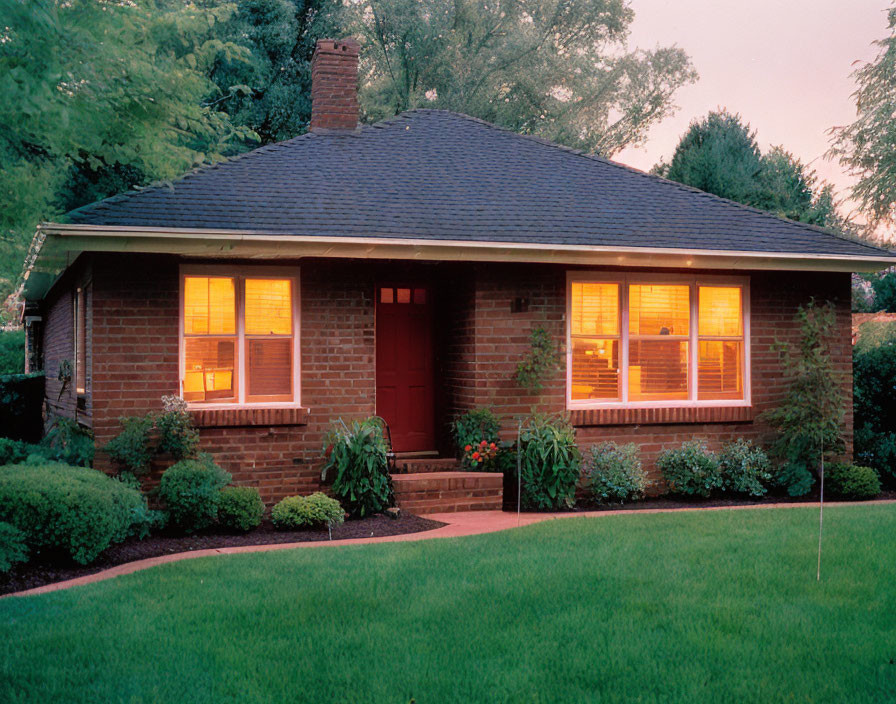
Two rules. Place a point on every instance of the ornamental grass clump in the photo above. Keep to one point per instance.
(691, 470)
(550, 463)
(355, 456)
(613, 473)
(315, 510)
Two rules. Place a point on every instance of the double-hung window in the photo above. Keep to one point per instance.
(641, 340)
(239, 336)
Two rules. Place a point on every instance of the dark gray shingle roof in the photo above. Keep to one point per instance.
(434, 175)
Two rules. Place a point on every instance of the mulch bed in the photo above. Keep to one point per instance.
(46, 571)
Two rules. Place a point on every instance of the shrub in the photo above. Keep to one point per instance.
(13, 547)
(850, 481)
(690, 469)
(76, 510)
(472, 428)
(550, 463)
(874, 385)
(132, 447)
(16, 451)
(299, 511)
(191, 492)
(69, 442)
(613, 473)
(357, 456)
(745, 468)
(12, 351)
(177, 435)
(240, 508)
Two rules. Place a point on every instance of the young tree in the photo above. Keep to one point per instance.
(867, 147)
(559, 69)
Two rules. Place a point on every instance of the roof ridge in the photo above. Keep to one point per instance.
(633, 170)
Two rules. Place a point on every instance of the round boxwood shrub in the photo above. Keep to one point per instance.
(691, 469)
(304, 511)
(613, 473)
(74, 510)
(240, 508)
(13, 547)
(851, 481)
(191, 492)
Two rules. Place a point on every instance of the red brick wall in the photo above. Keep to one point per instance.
(58, 345)
(334, 85)
(135, 354)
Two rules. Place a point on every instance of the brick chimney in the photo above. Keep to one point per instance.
(334, 85)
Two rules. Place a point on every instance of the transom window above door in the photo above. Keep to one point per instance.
(639, 340)
(239, 341)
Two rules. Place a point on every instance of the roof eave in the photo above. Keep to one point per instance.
(62, 243)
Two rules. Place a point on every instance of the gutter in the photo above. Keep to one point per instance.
(55, 247)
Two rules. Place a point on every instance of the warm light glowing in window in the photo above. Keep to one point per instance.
(209, 306)
(595, 341)
(595, 309)
(659, 310)
(720, 311)
(720, 363)
(268, 307)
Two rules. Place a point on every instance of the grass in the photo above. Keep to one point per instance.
(683, 607)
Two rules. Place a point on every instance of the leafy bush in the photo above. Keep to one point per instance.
(13, 547)
(357, 456)
(76, 510)
(472, 428)
(132, 447)
(240, 508)
(299, 511)
(539, 362)
(550, 463)
(12, 351)
(809, 420)
(745, 468)
(613, 473)
(191, 492)
(69, 442)
(177, 435)
(874, 386)
(691, 469)
(16, 451)
(850, 481)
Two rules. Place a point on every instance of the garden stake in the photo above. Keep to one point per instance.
(519, 471)
(820, 514)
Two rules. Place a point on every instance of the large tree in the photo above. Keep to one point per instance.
(98, 98)
(559, 69)
(719, 154)
(867, 147)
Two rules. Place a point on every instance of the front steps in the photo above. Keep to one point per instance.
(434, 491)
(416, 465)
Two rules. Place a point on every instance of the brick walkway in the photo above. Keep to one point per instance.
(458, 525)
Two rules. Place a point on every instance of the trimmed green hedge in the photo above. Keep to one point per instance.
(74, 510)
(850, 481)
(240, 508)
(318, 509)
(191, 492)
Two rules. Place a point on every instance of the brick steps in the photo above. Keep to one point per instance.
(448, 492)
(417, 465)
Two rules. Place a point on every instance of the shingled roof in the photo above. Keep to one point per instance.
(436, 175)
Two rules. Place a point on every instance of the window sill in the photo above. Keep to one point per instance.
(247, 417)
(661, 415)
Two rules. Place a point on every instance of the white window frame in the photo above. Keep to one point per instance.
(239, 272)
(624, 280)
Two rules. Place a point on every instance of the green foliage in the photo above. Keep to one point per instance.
(177, 435)
(16, 451)
(719, 154)
(471, 428)
(356, 454)
(850, 481)
(74, 510)
(874, 400)
(745, 468)
(318, 509)
(191, 493)
(809, 420)
(69, 442)
(550, 463)
(867, 147)
(21, 405)
(240, 508)
(884, 288)
(691, 470)
(100, 97)
(559, 69)
(13, 547)
(540, 361)
(613, 473)
(132, 448)
(12, 352)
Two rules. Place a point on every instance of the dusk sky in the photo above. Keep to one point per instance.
(783, 65)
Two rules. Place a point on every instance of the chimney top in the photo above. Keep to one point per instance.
(334, 85)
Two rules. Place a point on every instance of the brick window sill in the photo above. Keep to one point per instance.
(664, 416)
(243, 417)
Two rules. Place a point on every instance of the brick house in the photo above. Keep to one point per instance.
(399, 269)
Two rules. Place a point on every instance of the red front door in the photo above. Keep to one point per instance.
(404, 366)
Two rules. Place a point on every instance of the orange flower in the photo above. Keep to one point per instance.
(468, 448)
(483, 443)
(476, 455)
(493, 446)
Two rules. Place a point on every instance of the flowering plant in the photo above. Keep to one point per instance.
(479, 453)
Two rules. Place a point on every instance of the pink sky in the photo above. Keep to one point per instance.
(784, 65)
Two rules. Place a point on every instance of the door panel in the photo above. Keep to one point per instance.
(405, 382)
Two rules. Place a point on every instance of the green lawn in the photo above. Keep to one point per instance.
(709, 607)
